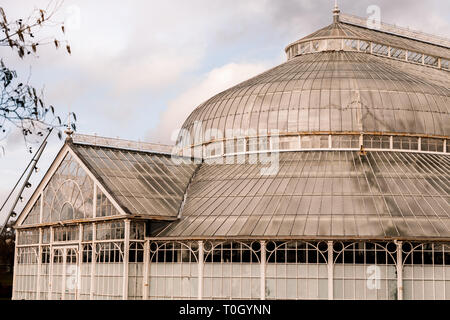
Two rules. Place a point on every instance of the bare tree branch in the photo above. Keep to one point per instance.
(22, 106)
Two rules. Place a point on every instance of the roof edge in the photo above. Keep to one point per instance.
(398, 31)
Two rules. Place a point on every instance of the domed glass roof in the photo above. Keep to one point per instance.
(341, 79)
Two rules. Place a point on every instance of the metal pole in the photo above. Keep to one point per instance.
(17, 183)
(19, 195)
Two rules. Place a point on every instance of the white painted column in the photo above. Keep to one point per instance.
(50, 276)
(330, 271)
(79, 263)
(41, 214)
(94, 235)
(399, 271)
(64, 268)
(263, 270)
(93, 262)
(201, 265)
(16, 259)
(39, 269)
(145, 281)
(94, 203)
(126, 250)
(41, 209)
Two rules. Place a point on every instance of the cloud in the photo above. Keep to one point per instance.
(150, 72)
(210, 84)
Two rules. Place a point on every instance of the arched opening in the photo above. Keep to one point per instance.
(67, 212)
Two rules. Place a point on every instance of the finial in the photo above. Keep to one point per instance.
(69, 131)
(336, 12)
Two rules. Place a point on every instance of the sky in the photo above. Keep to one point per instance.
(139, 67)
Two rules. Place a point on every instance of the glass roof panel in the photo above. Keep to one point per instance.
(341, 193)
(143, 183)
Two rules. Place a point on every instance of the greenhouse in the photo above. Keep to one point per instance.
(326, 177)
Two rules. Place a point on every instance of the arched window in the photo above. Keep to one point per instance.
(69, 193)
(67, 212)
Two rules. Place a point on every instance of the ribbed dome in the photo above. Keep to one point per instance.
(337, 91)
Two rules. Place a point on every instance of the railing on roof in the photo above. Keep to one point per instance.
(121, 143)
(367, 46)
(400, 31)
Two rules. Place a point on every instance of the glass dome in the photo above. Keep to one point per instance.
(343, 79)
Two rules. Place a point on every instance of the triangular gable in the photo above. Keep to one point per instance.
(64, 188)
(143, 183)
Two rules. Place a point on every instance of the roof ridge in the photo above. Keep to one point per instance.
(100, 146)
(398, 31)
(99, 141)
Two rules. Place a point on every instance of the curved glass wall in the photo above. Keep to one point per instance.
(333, 92)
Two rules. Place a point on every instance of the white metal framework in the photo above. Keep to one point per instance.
(96, 269)
(325, 141)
